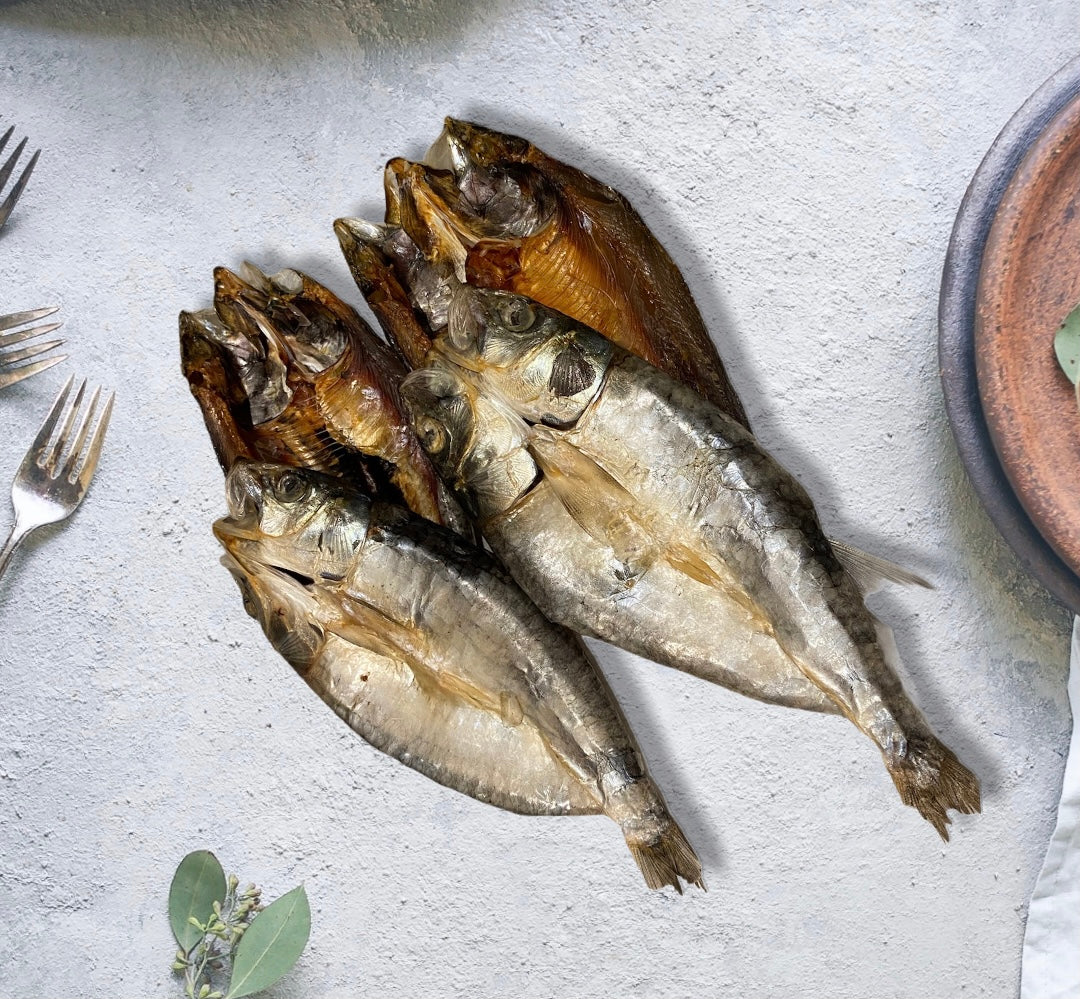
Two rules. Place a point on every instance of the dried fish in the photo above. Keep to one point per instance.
(657, 522)
(515, 219)
(424, 647)
(288, 372)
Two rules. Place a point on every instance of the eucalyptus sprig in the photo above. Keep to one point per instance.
(1067, 348)
(215, 924)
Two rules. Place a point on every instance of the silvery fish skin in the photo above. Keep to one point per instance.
(424, 647)
(660, 524)
(595, 570)
(527, 223)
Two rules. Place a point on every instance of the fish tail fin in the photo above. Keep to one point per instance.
(665, 856)
(931, 779)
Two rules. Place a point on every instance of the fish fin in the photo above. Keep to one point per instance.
(366, 626)
(932, 780)
(593, 498)
(665, 858)
(691, 564)
(336, 537)
(870, 571)
(300, 648)
(571, 372)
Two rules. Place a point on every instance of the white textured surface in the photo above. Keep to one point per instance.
(804, 168)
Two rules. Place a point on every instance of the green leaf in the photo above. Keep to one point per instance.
(1067, 345)
(271, 944)
(198, 883)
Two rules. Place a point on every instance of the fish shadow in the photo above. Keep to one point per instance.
(632, 685)
(928, 693)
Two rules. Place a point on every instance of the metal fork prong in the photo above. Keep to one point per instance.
(18, 318)
(80, 437)
(14, 356)
(51, 462)
(9, 376)
(86, 473)
(9, 165)
(41, 442)
(16, 192)
(10, 339)
(4, 138)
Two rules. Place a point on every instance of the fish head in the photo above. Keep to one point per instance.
(477, 443)
(287, 316)
(217, 363)
(295, 530)
(496, 188)
(439, 403)
(546, 366)
(372, 249)
(287, 612)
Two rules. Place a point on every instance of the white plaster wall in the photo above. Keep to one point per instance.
(803, 163)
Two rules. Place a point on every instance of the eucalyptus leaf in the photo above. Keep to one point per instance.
(198, 883)
(271, 945)
(1067, 345)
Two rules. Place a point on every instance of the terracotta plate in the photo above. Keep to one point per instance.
(956, 346)
(1029, 281)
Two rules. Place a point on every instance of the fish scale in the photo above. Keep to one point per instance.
(427, 649)
(752, 596)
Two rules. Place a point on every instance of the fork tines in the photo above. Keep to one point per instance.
(13, 366)
(5, 172)
(81, 459)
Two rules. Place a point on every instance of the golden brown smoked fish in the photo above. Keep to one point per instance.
(658, 523)
(525, 222)
(423, 645)
(384, 262)
(309, 384)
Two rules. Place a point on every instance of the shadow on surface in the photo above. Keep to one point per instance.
(239, 28)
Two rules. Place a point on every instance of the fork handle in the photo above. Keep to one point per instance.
(15, 538)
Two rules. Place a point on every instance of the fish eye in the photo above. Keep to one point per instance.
(290, 488)
(432, 434)
(517, 315)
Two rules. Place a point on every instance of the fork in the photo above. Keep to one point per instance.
(5, 172)
(9, 373)
(46, 491)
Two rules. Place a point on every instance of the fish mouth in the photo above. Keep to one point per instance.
(351, 231)
(464, 146)
(240, 554)
(243, 493)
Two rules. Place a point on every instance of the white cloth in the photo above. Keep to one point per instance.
(1051, 962)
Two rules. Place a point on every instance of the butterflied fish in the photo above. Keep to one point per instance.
(656, 522)
(422, 644)
(514, 218)
(310, 384)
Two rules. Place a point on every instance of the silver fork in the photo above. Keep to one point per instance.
(5, 172)
(12, 369)
(45, 490)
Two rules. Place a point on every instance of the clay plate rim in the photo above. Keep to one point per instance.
(1029, 280)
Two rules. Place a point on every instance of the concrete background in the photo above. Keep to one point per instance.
(804, 166)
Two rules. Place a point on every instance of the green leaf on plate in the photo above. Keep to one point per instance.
(271, 944)
(1067, 345)
(198, 883)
